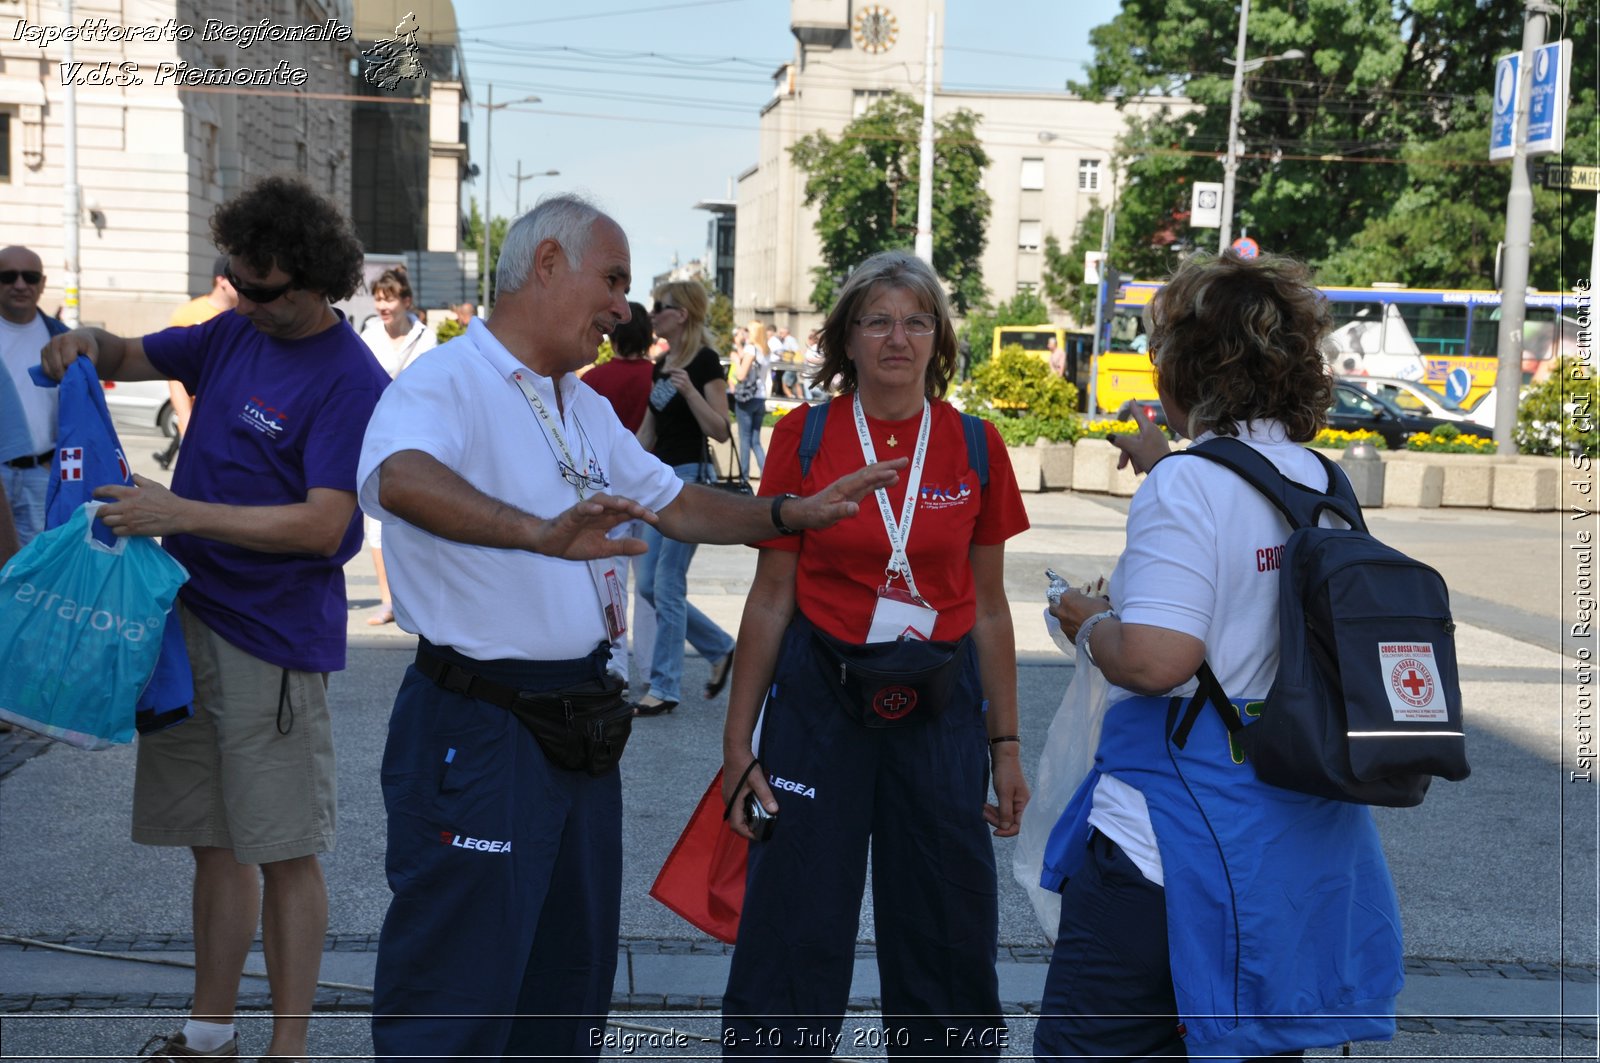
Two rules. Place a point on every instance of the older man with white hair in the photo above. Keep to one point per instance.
(500, 774)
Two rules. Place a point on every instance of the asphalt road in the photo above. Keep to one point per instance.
(1498, 869)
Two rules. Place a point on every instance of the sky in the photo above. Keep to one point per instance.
(651, 107)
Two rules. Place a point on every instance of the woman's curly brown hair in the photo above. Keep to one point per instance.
(1237, 340)
(888, 269)
(281, 221)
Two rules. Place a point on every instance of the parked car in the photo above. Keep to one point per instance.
(142, 403)
(1354, 410)
(1411, 396)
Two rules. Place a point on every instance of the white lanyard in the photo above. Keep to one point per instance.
(899, 533)
(553, 430)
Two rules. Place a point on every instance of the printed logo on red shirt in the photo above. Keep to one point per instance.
(935, 496)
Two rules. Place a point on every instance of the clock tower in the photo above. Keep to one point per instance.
(848, 55)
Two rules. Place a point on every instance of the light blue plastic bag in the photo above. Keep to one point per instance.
(80, 630)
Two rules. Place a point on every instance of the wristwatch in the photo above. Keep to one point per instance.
(777, 514)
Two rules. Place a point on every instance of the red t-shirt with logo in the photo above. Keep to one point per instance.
(842, 567)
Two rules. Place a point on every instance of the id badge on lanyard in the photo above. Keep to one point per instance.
(900, 612)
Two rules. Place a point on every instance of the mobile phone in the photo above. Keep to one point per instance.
(761, 822)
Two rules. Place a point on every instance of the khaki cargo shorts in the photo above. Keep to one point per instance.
(251, 771)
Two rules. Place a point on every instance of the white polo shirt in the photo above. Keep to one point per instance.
(462, 406)
(1202, 558)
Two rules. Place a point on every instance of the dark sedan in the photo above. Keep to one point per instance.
(1353, 410)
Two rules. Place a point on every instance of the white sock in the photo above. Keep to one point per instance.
(206, 1036)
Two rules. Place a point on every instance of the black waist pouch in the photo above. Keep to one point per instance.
(890, 684)
(581, 728)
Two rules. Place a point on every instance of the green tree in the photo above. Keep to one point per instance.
(719, 317)
(1385, 115)
(864, 185)
(1063, 270)
(473, 240)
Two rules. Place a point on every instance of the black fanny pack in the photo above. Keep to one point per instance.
(580, 728)
(888, 684)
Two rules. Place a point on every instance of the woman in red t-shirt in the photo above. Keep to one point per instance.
(906, 766)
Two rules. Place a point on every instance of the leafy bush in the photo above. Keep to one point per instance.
(1559, 414)
(1016, 384)
(1024, 431)
(449, 329)
(1448, 439)
(1336, 439)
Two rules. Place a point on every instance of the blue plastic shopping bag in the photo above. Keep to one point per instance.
(81, 626)
(89, 455)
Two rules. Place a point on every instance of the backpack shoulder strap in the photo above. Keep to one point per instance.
(977, 447)
(1302, 506)
(811, 435)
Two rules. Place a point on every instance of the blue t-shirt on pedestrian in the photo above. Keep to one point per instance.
(272, 419)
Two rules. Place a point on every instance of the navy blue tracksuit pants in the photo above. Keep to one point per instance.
(916, 791)
(501, 939)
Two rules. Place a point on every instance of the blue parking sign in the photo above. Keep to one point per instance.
(1547, 98)
(1503, 120)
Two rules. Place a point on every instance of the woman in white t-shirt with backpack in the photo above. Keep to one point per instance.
(752, 377)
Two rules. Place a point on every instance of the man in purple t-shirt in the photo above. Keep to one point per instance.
(262, 512)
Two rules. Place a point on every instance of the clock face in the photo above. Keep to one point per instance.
(875, 29)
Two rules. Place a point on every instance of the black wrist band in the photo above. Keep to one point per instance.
(777, 514)
(997, 739)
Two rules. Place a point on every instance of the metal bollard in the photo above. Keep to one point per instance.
(1362, 464)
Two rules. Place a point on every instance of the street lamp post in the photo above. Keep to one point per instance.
(521, 177)
(490, 107)
(1230, 163)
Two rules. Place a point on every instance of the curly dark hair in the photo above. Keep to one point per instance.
(1237, 339)
(888, 269)
(281, 221)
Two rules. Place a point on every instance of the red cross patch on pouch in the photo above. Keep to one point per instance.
(894, 702)
(1410, 678)
(71, 463)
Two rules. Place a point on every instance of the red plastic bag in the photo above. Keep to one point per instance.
(703, 877)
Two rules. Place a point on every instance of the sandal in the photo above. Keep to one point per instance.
(656, 708)
(719, 675)
(382, 617)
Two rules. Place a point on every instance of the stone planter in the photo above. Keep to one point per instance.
(1055, 465)
(1025, 464)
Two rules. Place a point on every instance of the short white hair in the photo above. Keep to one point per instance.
(564, 217)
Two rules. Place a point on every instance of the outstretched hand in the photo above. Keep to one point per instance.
(1146, 448)
(838, 500)
(580, 533)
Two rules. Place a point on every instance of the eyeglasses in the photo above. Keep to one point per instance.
(880, 325)
(661, 307)
(253, 293)
(29, 276)
(592, 478)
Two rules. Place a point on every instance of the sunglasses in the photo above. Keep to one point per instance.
(660, 307)
(253, 293)
(29, 276)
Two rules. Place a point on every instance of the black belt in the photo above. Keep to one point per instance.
(457, 680)
(32, 461)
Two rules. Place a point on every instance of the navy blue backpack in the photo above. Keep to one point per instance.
(1366, 705)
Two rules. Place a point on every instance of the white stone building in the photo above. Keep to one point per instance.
(1050, 153)
(180, 105)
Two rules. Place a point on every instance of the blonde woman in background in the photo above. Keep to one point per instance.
(688, 404)
(752, 374)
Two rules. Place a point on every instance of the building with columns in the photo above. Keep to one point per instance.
(1050, 153)
(180, 105)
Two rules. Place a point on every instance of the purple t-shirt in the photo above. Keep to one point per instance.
(272, 419)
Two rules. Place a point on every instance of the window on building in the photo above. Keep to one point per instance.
(1026, 287)
(865, 98)
(209, 153)
(5, 148)
(1032, 174)
(1030, 234)
(1088, 175)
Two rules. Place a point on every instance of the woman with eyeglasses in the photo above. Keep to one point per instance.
(396, 337)
(688, 404)
(880, 660)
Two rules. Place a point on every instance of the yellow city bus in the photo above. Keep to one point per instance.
(1446, 339)
(1036, 339)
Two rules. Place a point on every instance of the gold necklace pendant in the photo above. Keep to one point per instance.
(892, 441)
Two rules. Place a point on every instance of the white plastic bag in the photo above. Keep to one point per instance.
(1067, 758)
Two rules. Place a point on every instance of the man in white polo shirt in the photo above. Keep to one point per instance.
(505, 831)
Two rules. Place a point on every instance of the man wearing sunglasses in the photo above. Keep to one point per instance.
(262, 513)
(27, 411)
